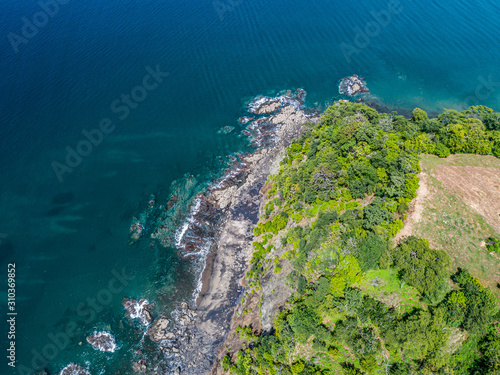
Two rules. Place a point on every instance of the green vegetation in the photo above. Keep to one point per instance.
(493, 244)
(362, 306)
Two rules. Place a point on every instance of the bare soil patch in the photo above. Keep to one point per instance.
(457, 208)
(479, 188)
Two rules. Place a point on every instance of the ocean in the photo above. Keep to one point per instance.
(106, 106)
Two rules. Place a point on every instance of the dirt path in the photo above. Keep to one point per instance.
(416, 208)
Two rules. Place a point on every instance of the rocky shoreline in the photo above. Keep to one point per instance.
(219, 230)
(234, 202)
(218, 233)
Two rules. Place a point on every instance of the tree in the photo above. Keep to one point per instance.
(375, 214)
(467, 136)
(419, 115)
(303, 321)
(420, 266)
(490, 350)
(297, 367)
(347, 272)
(481, 305)
(369, 251)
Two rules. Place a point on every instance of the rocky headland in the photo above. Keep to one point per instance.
(234, 202)
(219, 231)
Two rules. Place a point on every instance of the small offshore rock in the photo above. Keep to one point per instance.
(136, 229)
(245, 120)
(157, 330)
(147, 316)
(138, 309)
(74, 369)
(353, 85)
(103, 341)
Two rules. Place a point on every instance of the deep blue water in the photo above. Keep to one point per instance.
(67, 237)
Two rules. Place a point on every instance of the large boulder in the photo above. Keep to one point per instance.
(103, 341)
(74, 369)
(157, 330)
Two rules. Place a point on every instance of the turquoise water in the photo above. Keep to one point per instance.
(66, 237)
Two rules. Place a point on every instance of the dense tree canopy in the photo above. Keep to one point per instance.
(341, 195)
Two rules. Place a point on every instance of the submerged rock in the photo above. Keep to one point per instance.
(103, 341)
(353, 85)
(157, 330)
(136, 229)
(225, 130)
(138, 309)
(74, 369)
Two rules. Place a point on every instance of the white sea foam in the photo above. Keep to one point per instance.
(232, 173)
(137, 310)
(203, 253)
(179, 234)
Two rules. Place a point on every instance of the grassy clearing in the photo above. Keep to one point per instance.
(460, 160)
(385, 286)
(456, 227)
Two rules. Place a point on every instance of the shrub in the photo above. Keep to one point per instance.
(442, 151)
(493, 244)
